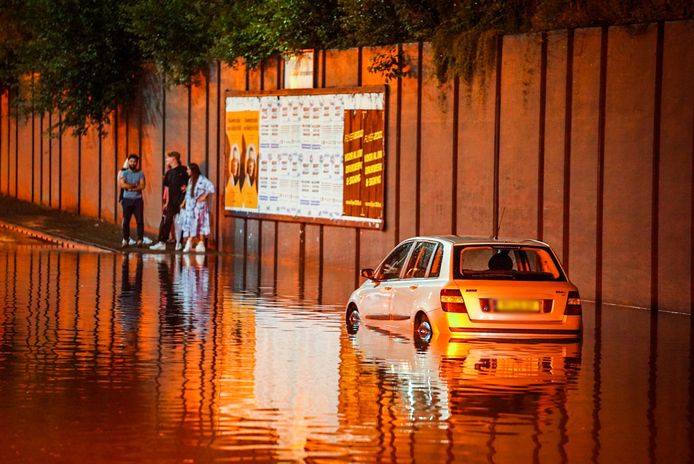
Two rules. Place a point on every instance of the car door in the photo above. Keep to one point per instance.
(415, 283)
(378, 293)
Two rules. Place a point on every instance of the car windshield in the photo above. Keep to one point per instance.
(505, 262)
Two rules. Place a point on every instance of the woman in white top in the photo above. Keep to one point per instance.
(196, 220)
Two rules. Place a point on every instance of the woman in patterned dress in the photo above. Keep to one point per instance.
(196, 221)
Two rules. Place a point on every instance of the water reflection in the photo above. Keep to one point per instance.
(133, 358)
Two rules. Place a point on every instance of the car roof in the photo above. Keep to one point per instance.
(479, 240)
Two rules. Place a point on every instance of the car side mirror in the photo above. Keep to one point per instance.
(368, 274)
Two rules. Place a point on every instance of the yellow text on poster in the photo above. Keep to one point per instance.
(241, 187)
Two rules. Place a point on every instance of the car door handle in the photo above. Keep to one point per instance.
(413, 287)
(387, 288)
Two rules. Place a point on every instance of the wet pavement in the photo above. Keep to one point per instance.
(164, 358)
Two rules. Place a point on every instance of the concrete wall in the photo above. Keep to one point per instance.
(581, 138)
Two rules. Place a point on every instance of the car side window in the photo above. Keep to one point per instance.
(419, 261)
(391, 267)
(436, 263)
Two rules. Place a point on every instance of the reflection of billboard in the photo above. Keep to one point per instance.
(310, 157)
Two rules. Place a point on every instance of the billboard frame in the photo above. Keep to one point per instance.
(361, 223)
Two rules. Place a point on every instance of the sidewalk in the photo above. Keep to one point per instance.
(65, 229)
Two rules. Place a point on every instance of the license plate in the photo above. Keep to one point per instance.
(519, 306)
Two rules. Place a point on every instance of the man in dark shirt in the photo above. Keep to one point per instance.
(175, 182)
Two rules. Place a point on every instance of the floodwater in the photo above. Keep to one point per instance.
(130, 359)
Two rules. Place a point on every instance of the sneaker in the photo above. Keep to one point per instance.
(200, 248)
(188, 247)
(147, 241)
(123, 243)
(179, 246)
(159, 246)
(131, 242)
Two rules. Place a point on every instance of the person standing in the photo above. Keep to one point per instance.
(175, 182)
(132, 183)
(196, 210)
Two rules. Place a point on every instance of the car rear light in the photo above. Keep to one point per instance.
(452, 301)
(573, 304)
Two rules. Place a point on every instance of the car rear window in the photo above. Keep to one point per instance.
(504, 262)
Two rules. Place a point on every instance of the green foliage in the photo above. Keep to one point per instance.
(175, 35)
(12, 37)
(87, 56)
(85, 60)
(391, 64)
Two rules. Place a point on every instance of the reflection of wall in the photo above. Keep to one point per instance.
(582, 178)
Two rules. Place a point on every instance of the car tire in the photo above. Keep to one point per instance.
(422, 329)
(352, 320)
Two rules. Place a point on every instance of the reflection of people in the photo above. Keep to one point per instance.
(174, 192)
(196, 212)
(170, 310)
(130, 298)
(249, 188)
(193, 282)
(232, 190)
(132, 183)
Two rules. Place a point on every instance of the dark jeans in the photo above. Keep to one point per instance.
(166, 223)
(133, 206)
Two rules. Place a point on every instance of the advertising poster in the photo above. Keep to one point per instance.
(242, 131)
(306, 157)
(363, 164)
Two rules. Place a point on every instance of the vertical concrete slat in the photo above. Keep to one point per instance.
(628, 166)
(198, 127)
(214, 155)
(2, 138)
(376, 243)
(408, 152)
(109, 171)
(518, 157)
(435, 162)
(89, 198)
(70, 174)
(554, 141)
(152, 146)
(476, 153)
(676, 142)
(10, 145)
(584, 142)
(312, 266)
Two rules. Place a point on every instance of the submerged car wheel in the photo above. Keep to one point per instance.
(422, 330)
(352, 320)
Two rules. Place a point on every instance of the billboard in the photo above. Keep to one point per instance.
(308, 156)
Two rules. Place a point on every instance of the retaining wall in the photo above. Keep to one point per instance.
(581, 138)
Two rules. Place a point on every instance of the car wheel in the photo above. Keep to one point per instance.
(422, 330)
(352, 320)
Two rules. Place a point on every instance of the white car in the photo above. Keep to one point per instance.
(468, 287)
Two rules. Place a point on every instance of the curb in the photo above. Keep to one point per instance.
(56, 239)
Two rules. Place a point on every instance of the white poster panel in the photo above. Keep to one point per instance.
(300, 154)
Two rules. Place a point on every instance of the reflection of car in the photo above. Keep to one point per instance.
(461, 287)
(460, 380)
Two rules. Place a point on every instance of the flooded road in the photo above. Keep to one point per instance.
(144, 359)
